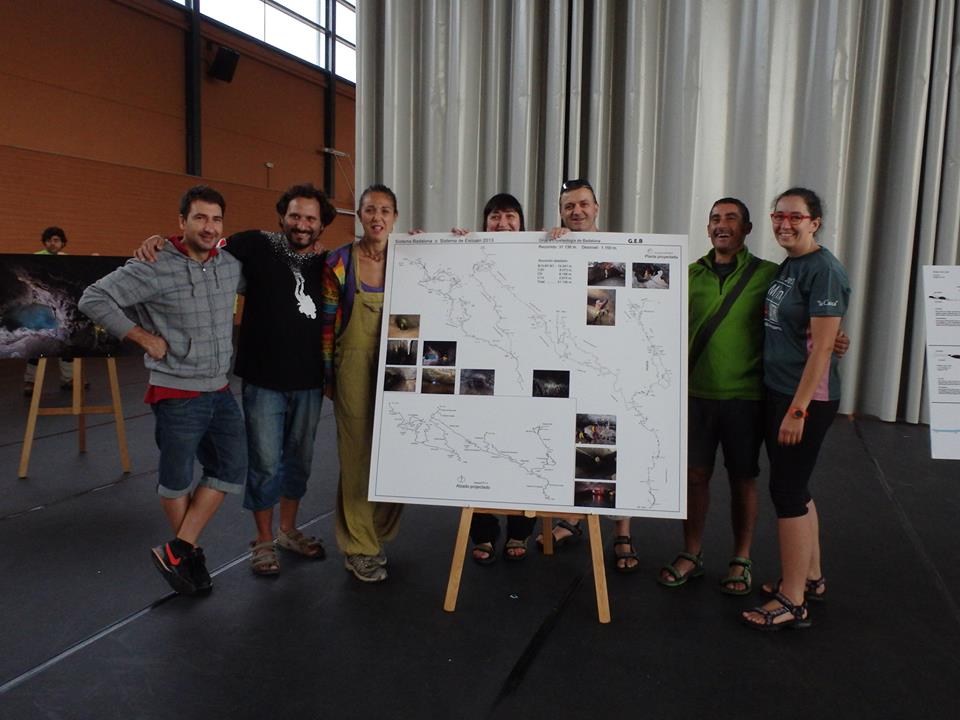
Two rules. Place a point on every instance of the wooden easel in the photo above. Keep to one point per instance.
(596, 553)
(75, 408)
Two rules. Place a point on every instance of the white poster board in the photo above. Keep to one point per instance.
(521, 373)
(941, 290)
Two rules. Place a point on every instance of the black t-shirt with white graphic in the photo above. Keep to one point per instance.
(280, 346)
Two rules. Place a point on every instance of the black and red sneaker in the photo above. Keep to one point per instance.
(174, 561)
(201, 578)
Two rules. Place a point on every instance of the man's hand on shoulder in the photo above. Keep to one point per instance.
(841, 343)
(154, 345)
(147, 252)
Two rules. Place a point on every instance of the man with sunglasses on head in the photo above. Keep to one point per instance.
(578, 213)
(578, 208)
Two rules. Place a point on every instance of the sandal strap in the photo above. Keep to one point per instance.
(296, 537)
(796, 610)
(630, 554)
(697, 559)
(572, 527)
(770, 615)
(813, 585)
(745, 579)
(263, 554)
(512, 544)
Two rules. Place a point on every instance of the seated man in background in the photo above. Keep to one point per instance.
(54, 240)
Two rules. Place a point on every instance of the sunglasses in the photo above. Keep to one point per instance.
(575, 185)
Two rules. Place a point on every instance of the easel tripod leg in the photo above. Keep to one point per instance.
(456, 565)
(78, 404)
(599, 572)
(118, 414)
(32, 418)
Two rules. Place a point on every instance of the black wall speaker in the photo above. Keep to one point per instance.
(224, 64)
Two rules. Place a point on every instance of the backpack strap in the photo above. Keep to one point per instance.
(706, 331)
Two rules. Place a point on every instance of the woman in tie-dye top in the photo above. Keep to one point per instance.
(352, 312)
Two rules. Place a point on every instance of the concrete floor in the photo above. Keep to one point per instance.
(90, 630)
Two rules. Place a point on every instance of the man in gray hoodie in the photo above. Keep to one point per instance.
(180, 311)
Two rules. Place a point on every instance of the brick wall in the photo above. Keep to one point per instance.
(92, 126)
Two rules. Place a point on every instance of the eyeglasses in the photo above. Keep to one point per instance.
(793, 218)
(575, 185)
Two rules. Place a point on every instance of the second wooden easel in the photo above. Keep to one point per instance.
(596, 553)
(75, 408)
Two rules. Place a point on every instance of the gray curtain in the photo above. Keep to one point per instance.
(666, 105)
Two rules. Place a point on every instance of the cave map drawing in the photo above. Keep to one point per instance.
(558, 394)
(38, 307)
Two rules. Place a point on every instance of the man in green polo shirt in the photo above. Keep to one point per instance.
(725, 389)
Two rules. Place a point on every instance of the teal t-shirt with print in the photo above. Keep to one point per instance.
(812, 285)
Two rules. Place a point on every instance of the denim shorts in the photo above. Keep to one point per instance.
(208, 428)
(281, 429)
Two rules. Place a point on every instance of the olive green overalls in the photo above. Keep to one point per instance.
(361, 525)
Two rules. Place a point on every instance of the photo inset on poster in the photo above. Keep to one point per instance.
(607, 274)
(438, 381)
(601, 307)
(551, 383)
(476, 382)
(439, 352)
(38, 307)
(594, 494)
(404, 326)
(401, 352)
(596, 464)
(400, 379)
(653, 276)
(596, 429)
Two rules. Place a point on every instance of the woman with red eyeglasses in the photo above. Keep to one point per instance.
(802, 312)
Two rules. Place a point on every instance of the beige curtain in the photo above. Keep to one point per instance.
(666, 105)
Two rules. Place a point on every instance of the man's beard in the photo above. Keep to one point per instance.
(294, 241)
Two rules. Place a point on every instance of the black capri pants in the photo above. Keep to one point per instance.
(791, 466)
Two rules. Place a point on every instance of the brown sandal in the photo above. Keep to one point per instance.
(263, 558)
(295, 541)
